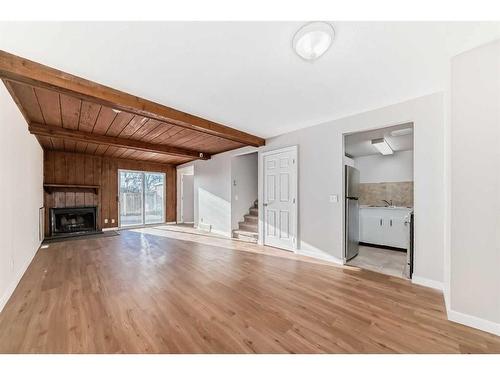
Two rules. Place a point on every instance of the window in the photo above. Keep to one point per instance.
(142, 198)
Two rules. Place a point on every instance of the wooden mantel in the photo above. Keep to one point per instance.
(49, 188)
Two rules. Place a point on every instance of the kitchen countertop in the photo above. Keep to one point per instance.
(387, 208)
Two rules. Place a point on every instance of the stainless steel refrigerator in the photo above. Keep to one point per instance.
(351, 212)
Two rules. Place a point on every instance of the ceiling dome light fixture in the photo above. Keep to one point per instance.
(313, 39)
(382, 146)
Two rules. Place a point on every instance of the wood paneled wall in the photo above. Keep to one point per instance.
(80, 169)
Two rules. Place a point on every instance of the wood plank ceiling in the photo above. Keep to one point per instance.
(68, 113)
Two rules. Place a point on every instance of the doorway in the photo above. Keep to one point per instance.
(280, 198)
(244, 197)
(379, 234)
(187, 198)
(185, 195)
(141, 198)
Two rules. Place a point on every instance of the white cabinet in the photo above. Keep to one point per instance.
(384, 226)
(370, 227)
(398, 233)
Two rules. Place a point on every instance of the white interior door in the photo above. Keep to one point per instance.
(187, 198)
(280, 198)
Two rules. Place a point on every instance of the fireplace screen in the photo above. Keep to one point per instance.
(64, 221)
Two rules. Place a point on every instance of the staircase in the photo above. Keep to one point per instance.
(248, 228)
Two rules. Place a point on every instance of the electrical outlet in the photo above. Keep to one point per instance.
(112, 221)
(334, 198)
(105, 221)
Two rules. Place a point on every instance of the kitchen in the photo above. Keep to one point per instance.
(379, 200)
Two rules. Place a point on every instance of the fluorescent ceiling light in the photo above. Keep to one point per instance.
(382, 146)
(312, 40)
(401, 132)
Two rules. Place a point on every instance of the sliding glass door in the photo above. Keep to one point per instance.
(131, 198)
(154, 192)
(142, 198)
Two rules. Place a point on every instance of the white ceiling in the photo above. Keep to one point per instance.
(360, 144)
(245, 74)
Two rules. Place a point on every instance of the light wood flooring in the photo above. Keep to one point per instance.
(158, 291)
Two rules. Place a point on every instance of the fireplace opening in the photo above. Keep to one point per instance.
(73, 221)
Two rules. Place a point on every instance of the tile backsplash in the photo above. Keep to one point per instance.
(401, 193)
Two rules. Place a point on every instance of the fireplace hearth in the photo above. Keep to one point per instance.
(72, 221)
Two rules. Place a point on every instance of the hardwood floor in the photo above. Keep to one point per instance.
(155, 291)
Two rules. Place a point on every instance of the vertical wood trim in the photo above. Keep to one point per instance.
(113, 192)
(171, 195)
(104, 192)
(97, 162)
(60, 168)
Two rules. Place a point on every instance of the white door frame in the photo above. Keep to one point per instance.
(262, 218)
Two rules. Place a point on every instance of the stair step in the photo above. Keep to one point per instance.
(251, 219)
(254, 211)
(245, 236)
(248, 227)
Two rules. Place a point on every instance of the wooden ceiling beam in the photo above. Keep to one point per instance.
(76, 135)
(21, 70)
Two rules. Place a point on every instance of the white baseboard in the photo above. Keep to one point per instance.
(474, 322)
(423, 281)
(319, 255)
(203, 226)
(208, 228)
(220, 233)
(108, 229)
(12, 286)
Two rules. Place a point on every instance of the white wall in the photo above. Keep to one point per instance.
(212, 190)
(320, 174)
(397, 167)
(244, 191)
(21, 195)
(475, 188)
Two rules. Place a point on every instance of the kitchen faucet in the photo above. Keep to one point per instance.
(388, 203)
